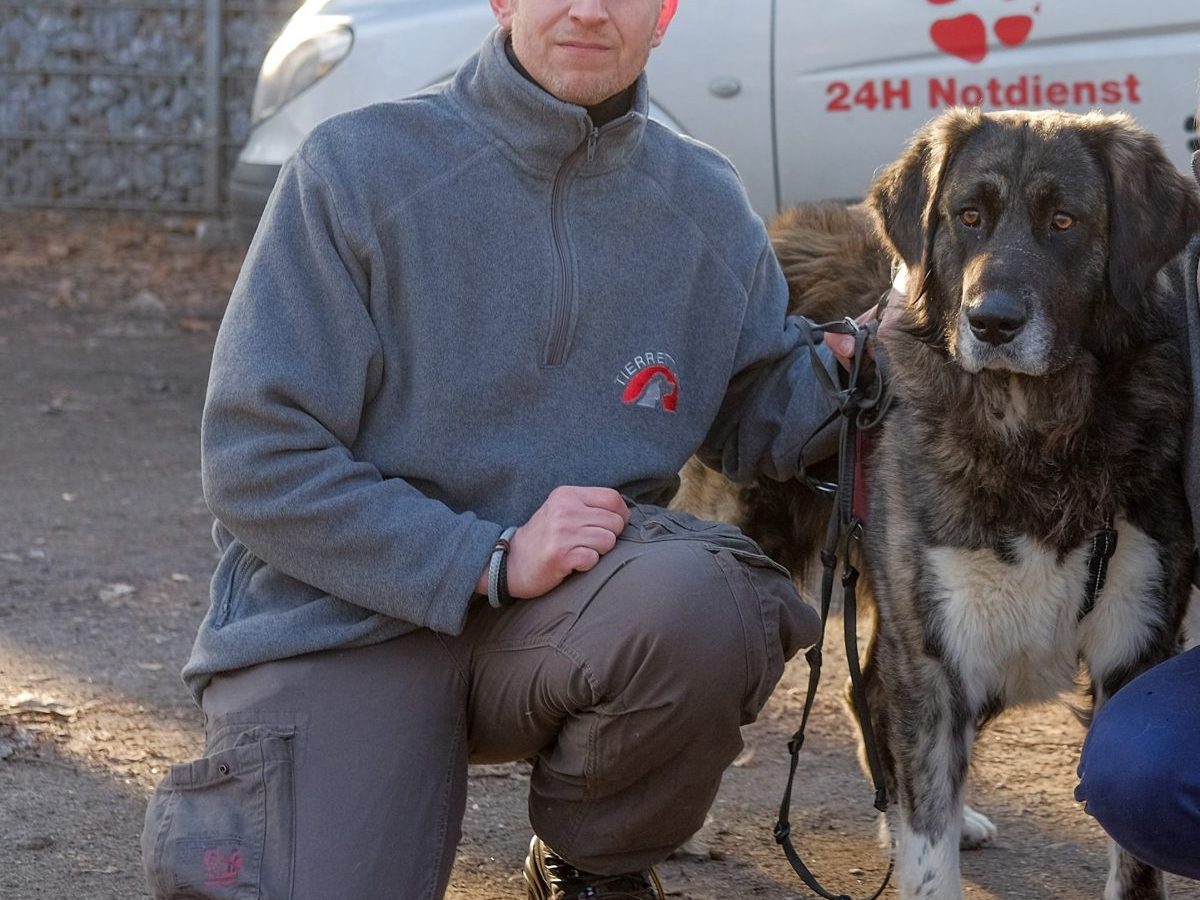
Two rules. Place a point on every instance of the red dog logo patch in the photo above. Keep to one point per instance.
(649, 380)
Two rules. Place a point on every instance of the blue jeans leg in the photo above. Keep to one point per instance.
(1140, 768)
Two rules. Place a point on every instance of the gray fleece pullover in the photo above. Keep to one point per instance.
(455, 303)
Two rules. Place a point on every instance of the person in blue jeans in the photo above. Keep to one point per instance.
(1140, 768)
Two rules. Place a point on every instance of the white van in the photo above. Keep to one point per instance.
(806, 97)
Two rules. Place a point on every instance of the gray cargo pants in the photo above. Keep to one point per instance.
(344, 773)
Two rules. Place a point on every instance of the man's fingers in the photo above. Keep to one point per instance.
(608, 521)
(569, 533)
(581, 559)
(571, 521)
(591, 543)
(842, 345)
(604, 498)
(596, 537)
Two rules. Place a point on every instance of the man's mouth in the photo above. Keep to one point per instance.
(584, 46)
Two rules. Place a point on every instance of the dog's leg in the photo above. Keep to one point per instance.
(931, 766)
(977, 830)
(1131, 879)
(929, 737)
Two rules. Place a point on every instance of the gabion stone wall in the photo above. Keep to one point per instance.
(116, 104)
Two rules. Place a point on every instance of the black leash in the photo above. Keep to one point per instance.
(861, 406)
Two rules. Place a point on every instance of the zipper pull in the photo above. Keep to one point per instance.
(593, 140)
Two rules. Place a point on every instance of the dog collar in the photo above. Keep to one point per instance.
(1104, 545)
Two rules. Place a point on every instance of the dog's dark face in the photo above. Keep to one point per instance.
(1020, 248)
(1032, 235)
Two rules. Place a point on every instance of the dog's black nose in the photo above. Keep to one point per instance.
(997, 318)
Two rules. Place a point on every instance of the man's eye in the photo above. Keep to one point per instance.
(1062, 221)
(970, 217)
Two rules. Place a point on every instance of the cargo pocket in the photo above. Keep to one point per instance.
(222, 826)
(760, 561)
(776, 620)
(652, 523)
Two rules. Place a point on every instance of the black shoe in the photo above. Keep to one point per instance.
(550, 877)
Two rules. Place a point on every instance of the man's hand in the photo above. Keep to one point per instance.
(568, 533)
(842, 345)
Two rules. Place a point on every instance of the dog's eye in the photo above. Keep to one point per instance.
(970, 217)
(1062, 221)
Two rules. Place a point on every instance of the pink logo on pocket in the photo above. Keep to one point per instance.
(222, 869)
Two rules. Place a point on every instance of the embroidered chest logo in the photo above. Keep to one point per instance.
(649, 380)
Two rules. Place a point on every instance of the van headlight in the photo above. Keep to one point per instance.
(305, 52)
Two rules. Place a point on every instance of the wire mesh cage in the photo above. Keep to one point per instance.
(117, 104)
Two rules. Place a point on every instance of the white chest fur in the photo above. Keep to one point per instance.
(1012, 628)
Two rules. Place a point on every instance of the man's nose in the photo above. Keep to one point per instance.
(589, 11)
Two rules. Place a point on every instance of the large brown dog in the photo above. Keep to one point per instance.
(1040, 401)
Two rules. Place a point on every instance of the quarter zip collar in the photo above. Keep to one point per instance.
(603, 112)
(538, 131)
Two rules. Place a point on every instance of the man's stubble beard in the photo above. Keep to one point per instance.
(564, 87)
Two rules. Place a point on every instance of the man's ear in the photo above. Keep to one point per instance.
(665, 15)
(503, 10)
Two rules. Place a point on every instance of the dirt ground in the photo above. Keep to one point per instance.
(106, 326)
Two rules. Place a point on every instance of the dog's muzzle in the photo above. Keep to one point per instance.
(997, 318)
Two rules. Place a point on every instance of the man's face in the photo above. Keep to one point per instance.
(584, 51)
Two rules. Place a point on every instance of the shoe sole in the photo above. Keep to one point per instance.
(536, 884)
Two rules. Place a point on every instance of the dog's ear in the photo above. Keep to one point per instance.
(1153, 209)
(904, 197)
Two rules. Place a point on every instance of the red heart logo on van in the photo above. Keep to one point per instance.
(1013, 30)
(963, 36)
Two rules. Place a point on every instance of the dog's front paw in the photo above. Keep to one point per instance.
(977, 830)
